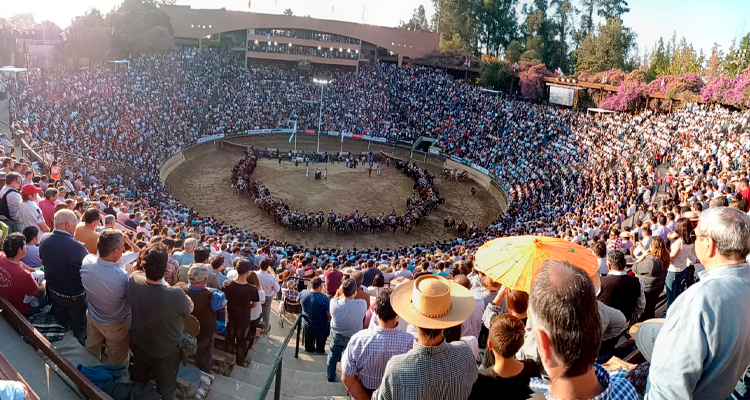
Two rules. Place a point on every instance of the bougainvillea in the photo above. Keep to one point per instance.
(611, 77)
(532, 80)
(733, 92)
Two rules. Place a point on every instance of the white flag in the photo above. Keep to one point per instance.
(342, 137)
(293, 132)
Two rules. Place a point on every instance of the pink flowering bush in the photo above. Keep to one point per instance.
(733, 92)
(611, 77)
(532, 80)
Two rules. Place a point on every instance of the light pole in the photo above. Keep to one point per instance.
(322, 83)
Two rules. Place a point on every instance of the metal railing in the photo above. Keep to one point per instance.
(277, 366)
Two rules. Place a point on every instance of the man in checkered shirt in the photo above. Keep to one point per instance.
(568, 332)
(369, 350)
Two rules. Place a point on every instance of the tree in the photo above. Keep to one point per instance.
(22, 21)
(561, 25)
(715, 62)
(453, 44)
(458, 17)
(133, 23)
(612, 8)
(739, 56)
(494, 74)
(513, 52)
(498, 24)
(90, 37)
(288, 11)
(538, 30)
(418, 20)
(610, 48)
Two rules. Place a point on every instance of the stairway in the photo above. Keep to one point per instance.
(301, 379)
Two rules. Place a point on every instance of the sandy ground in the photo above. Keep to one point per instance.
(203, 183)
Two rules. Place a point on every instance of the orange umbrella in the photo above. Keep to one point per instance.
(515, 260)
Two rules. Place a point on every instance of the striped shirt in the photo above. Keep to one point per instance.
(369, 350)
(446, 372)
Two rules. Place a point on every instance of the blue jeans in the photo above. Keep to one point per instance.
(674, 285)
(337, 346)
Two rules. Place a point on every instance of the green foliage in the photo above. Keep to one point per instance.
(457, 17)
(498, 24)
(22, 21)
(135, 24)
(612, 8)
(455, 43)
(738, 57)
(610, 48)
(418, 20)
(495, 75)
(513, 52)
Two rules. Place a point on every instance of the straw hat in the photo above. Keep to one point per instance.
(625, 234)
(432, 302)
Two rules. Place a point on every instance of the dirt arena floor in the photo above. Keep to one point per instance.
(204, 184)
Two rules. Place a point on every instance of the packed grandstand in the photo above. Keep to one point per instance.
(597, 180)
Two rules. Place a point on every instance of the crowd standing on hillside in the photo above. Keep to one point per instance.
(124, 263)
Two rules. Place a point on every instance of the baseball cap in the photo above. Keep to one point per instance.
(198, 273)
(30, 189)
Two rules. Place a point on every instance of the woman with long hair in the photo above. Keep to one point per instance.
(651, 270)
(683, 251)
(256, 312)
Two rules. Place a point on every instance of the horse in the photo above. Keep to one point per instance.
(461, 229)
(449, 223)
(319, 220)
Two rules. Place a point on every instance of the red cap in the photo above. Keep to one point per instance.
(30, 189)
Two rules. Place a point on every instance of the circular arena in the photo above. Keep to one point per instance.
(203, 183)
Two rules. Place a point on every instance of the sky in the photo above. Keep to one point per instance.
(702, 22)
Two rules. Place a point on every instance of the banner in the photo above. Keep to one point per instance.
(205, 139)
(266, 131)
(434, 150)
(357, 136)
(347, 134)
(253, 131)
(456, 159)
(309, 131)
(333, 133)
(374, 138)
(480, 168)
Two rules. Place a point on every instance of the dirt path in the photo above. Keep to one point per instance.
(203, 183)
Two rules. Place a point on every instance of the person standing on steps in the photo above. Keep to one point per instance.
(347, 318)
(315, 316)
(270, 286)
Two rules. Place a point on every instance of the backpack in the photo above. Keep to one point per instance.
(4, 210)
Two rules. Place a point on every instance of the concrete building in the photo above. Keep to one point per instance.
(301, 39)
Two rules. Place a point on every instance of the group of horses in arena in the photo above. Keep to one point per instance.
(424, 200)
(462, 228)
(455, 174)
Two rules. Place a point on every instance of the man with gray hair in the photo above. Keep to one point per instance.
(62, 256)
(703, 347)
(109, 311)
(186, 257)
(206, 302)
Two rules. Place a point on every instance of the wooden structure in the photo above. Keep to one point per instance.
(612, 88)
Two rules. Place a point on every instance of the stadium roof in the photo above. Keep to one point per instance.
(198, 23)
(12, 69)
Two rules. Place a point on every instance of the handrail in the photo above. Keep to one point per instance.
(276, 368)
(17, 320)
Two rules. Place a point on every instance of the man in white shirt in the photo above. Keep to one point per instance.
(31, 214)
(270, 286)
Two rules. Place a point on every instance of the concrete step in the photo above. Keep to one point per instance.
(225, 388)
(29, 364)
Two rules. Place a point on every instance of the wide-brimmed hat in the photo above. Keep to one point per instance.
(432, 302)
(645, 337)
(625, 234)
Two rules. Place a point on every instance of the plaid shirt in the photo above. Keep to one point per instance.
(369, 350)
(616, 386)
(446, 372)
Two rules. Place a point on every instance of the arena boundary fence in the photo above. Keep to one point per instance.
(478, 174)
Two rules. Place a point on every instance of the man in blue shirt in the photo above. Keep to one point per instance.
(62, 256)
(315, 316)
(109, 311)
(704, 346)
(347, 318)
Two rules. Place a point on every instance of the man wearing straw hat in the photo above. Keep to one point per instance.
(433, 369)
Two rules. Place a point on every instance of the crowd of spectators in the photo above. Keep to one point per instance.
(102, 132)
